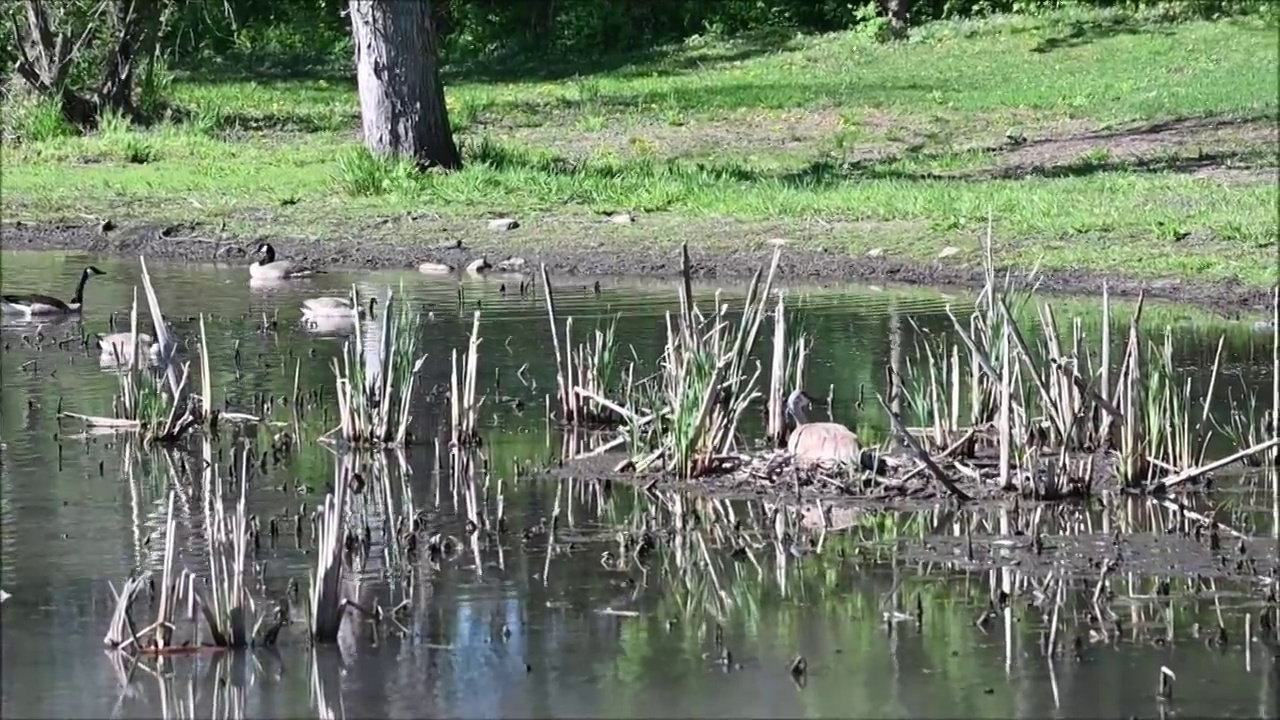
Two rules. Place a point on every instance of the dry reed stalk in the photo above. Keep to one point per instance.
(464, 408)
(206, 379)
(777, 425)
(1275, 395)
(163, 337)
(1006, 412)
(562, 373)
(227, 613)
(1134, 457)
(327, 606)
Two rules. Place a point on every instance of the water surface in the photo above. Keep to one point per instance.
(76, 513)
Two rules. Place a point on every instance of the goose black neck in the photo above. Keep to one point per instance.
(78, 298)
(268, 255)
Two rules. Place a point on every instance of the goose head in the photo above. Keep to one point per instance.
(265, 252)
(798, 403)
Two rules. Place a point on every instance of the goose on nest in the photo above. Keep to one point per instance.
(823, 442)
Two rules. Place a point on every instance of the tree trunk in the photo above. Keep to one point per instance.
(402, 105)
(899, 12)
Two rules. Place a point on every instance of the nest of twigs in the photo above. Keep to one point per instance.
(901, 475)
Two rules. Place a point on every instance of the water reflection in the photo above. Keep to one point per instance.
(581, 596)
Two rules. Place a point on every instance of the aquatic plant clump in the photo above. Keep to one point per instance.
(154, 402)
(585, 372)
(687, 414)
(374, 379)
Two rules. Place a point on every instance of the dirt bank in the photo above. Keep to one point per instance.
(576, 246)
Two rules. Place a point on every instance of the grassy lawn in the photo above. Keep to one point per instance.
(1095, 143)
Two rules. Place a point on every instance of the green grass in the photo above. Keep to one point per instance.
(912, 145)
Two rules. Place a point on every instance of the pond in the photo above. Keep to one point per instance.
(892, 613)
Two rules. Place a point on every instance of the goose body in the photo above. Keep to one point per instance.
(35, 304)
(117, 348)
(267, 267)
(820, 442)
(332, 307)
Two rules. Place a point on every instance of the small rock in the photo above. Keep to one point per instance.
(875, 252)
(948, 251)
(511, 264)
(777, 242)
(434, 268)
(503, 224)
(624, 218)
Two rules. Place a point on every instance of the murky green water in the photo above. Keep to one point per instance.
(75, 516)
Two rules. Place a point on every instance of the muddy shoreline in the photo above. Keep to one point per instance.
(715, 259)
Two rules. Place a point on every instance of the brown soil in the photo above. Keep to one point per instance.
(722, 249)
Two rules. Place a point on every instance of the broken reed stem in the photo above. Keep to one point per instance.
(1197, 472)
(909, 440)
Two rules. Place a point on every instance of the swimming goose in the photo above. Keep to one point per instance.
(820, 442)
(35, 304)
(330, 306)
(116, 348)
(269, 268)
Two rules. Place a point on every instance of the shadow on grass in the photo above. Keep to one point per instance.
(820, 92)
(1077, 33)
(333, 62)
(269, 65)
(829, 172)
(658, 61)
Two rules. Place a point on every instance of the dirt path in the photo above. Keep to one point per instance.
(722, 249)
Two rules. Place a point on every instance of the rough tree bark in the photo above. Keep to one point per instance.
(402, 106)
(899, 12)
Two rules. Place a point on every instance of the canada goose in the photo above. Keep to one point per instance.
(269, 268)
(330, 306)
(823, 442)
(117, 348)
(44, 304)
